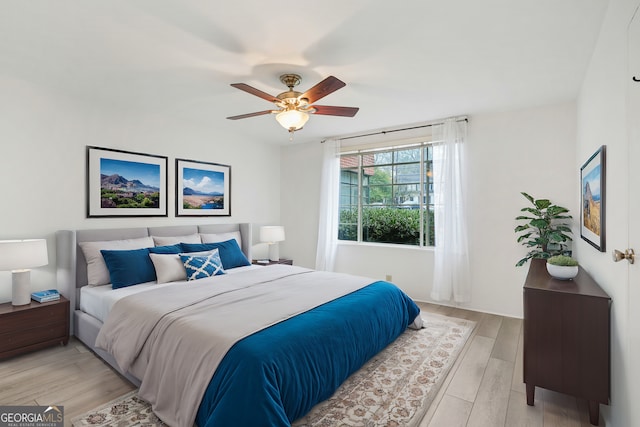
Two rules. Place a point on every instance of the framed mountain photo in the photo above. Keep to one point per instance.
(125, 184)
(592, 216)
(202, 189)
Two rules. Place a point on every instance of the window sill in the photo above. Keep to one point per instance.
(386, 245)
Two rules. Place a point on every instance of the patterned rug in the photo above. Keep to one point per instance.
(395, 388)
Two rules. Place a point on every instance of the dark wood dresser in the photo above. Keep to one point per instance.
(566, 337)
(33, 326)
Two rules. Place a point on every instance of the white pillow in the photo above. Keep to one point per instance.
(169, 267)
(97, 272)
(165, 241)
(221, 237)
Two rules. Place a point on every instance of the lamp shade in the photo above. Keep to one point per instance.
(272, 233)
(23, 254)
(292, 119)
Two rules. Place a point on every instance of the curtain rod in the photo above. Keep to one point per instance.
(384, 132)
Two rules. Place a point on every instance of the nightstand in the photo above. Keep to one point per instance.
(33, 326)
(269, 262)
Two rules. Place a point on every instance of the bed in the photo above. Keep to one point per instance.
(254, 346)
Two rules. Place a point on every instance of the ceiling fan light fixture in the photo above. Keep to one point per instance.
(292, 120)
(293, 108)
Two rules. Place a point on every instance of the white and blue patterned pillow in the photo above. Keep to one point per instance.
(199, 267)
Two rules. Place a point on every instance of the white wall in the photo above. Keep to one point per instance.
(300, 168)
(43, 137)
(529, 150)
(601, 120)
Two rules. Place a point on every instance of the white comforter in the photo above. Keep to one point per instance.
(173, 338)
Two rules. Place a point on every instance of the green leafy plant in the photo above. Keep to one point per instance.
(545, 231)
(562, 260)
(386, 225)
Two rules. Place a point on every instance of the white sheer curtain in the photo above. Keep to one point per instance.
(329, 200)
(451, 276)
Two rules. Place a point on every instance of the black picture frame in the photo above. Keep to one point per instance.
(125, 184)
(593, 200)
(202, 188)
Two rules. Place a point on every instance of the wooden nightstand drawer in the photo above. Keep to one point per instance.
(27, 337)
(36, 316)
(33, 326)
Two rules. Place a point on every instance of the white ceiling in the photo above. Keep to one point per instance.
(404, 62)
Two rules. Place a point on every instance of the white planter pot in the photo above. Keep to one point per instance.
(562, 272)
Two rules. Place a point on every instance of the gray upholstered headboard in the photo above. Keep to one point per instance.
(71, 268)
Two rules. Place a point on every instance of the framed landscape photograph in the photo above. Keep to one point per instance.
(592, 182)
(202, 189)
(125, 184)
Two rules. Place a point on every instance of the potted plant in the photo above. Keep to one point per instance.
(545, 231)
(562, 267)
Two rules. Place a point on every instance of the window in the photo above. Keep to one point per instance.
(386, 196)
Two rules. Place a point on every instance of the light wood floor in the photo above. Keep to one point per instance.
(71, 376)
(483, 389)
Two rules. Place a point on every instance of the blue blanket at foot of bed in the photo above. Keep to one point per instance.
(277, 375)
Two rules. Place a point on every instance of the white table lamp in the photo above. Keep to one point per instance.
(19, 256)
(272, 234)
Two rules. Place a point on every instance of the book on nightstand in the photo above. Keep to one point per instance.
(46, 296)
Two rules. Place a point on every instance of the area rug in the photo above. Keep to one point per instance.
(395, 388)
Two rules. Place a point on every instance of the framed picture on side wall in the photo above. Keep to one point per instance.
(202, 189)
(125, 184)
(593, 208)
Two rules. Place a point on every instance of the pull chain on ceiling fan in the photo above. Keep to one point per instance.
(294, 107)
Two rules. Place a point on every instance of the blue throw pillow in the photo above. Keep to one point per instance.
(170, 249)
(199, 267)
(230, 253)
(129, 267)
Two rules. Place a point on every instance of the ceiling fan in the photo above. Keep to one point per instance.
(294, 107)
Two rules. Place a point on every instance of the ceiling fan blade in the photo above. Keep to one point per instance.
(253, 91)
(245, 116)
(335, 111)
(322, 89)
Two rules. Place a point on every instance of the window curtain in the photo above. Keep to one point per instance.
(451, 277)
(329, 204)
